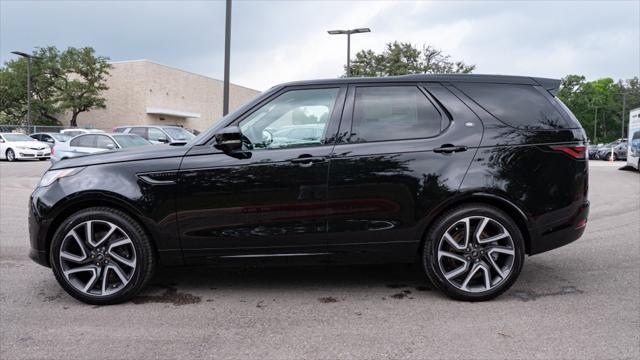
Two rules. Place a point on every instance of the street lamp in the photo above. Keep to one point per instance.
(227, 50)
(348, 33)
(29, 57)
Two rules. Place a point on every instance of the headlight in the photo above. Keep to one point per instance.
(22, 147)
(52, 175)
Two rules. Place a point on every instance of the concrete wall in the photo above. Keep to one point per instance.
(136, 85)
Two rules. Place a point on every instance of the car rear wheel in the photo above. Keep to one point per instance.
(474, 252)
(101, 256)
(10, 155)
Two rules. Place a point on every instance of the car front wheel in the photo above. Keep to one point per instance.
(10, 155)
(101, 256)
(474, 252)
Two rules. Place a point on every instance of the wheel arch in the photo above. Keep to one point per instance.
(517, 214)
(85, 203)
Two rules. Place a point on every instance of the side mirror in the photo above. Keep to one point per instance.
(228, 139)
(111, 147)
(1, 140)
(163, 140)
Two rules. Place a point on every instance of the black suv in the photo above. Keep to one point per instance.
(464, 173)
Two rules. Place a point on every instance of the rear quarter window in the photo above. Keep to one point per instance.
(519, 106)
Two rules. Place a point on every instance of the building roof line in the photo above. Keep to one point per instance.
(175, 68)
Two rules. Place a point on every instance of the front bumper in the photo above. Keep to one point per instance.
(33, 154)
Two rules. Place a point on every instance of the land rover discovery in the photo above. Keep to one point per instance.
(465, 174)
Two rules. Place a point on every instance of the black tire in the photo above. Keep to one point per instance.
(145, 256)
(610, 157)
(10, 155)
(435, 234)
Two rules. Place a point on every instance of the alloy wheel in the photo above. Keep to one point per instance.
(97, 258)
(476, 254)
(11, 155)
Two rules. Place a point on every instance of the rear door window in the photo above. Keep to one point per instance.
(519, 106)
(84, 141)
(103, 142)
(156, 135)
(393, 113)
(140, 131)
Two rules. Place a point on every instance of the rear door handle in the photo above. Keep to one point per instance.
(448, 149)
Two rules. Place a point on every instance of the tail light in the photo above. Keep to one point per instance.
(576, 152)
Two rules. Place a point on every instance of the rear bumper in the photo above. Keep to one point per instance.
(562, 235)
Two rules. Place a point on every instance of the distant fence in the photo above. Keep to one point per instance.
(39, 128)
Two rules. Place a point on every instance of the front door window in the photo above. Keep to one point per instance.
(296, 118)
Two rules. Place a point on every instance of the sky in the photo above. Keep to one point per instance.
(280, 41)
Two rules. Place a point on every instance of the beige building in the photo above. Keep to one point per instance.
(145, 92)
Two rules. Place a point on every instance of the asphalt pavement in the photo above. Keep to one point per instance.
(581, 301)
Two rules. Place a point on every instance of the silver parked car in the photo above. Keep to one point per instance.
(86, 144)
(158, 134)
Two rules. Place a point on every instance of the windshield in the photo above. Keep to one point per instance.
(61, 137)
(17, 137)
(126, 141)
(177, 133)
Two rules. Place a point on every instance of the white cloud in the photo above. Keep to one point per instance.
(279, 41)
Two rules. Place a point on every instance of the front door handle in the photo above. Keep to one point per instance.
(307, 161)
(448, 149)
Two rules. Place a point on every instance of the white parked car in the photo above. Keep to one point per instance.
(16, 146)
(77, 131)
(54, 140)
(86, 144)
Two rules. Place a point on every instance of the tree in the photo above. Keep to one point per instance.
(583, 97)
(70, 81)
(401, 58)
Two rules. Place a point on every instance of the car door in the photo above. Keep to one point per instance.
(401, 150)
(268, 199)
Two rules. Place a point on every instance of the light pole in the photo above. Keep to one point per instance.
(595, 125)
(29, 57)
(348, 33)
(227, 49)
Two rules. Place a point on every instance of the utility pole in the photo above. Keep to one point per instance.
(227, 49)
(624, 105)
(28, 57)
(595, 127)
(348, 33)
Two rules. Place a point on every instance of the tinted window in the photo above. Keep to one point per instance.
(156, 134)
(393, 113)
(61, 137)
(103, 142)
(140, 131)
(520, 106)
(126, 141)
(84, 141)
(295, 118)
(119, 130)
(179, 133)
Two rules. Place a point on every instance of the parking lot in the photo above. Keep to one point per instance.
(579, 301)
